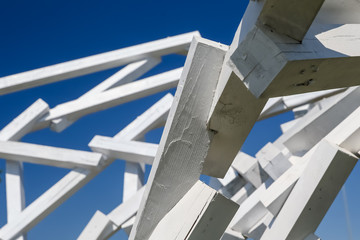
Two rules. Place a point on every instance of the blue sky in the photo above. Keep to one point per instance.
(39, 33)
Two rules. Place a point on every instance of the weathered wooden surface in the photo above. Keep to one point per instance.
(185, 142)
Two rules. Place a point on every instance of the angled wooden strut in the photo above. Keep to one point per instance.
(15, 130)
(202, 213)
(113, 97)
(154, 117)
(62, 71)
(313, 193)
(179, 160)
(273, 65)
(123, 76)
(264, 62)
(77, 178)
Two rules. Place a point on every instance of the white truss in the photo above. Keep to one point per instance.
(282, 52)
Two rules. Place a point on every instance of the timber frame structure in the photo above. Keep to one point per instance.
(299, 56)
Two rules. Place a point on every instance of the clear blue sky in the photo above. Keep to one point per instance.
(37, 33)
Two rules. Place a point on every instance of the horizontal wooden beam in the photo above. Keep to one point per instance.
(77, 178)
(132, 151)
(14, 179)
(116, 96)
(95, 63)
(52, 156)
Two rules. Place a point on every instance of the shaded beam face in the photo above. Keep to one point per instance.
(290, 17)
(272, 65)
(202, 213)
(185, 142)
(313, 194)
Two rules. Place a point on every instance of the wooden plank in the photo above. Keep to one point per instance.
(132, 151)
(234, 110)
(46, 203)
(279, 105)
(201, 214)
(313, 193)
(178, 163)
(123, 76)
(271, 65)
(15, 130)
(127, 209)
(251, 211)
(291, 18)
(273, 161)
(346, 135)
(134, 179)
(249, 168)
(52, 156)
(116, 96)
(260, 227)
(94, 63)
(24, 123)
(97, 227)
(310, 131)
(77, 178)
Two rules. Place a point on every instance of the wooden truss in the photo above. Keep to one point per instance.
(286, 55)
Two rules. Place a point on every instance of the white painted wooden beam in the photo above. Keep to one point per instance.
(313, 128)
(249, 168)
(273, 161)
(124, 214)
(278, 105)
(132, 151)
(127, 209)
(116, 96)
(251, 211)
(15, 130)
(313, 193)
(46, 203)
(243, 193)
(123, 76)
(127, 74)
(179, 160)
(154, 117)
(134, 179)
(232, 235)
(95, 63)
(233, 113)
(201, 214)
(104, 226)
(292, 19)
(259, 228)
(346, 135)
(53, 156)
(24, 123)
(272, 65)
(77, 178)
(97, 228)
